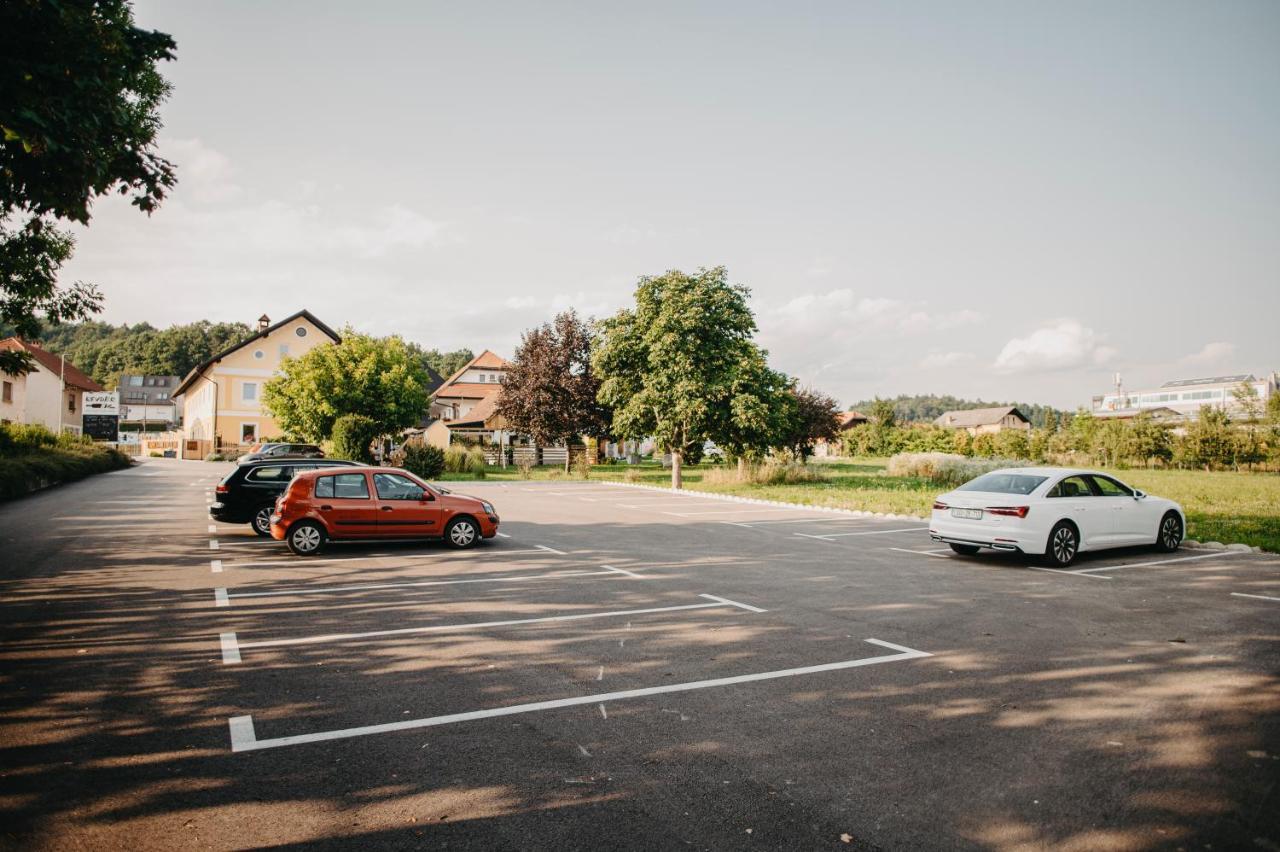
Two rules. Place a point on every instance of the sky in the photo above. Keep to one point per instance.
(1004, 200)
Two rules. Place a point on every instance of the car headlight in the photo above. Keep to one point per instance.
(488, 508)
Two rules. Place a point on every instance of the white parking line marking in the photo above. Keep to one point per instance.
(1157, 562)
(220, 598)
(1072, 573)
(213, 527)
(861, 532)
(723, 512)
(230, 649)
(808, 521)
(937, 554)
(213, 544)
(501, 535)
(243, 737)
(733, 603)
(1259, 597)
(324, 590)
(466, 555)
(445, 628)
(550, 550)
(624, 571)
(604, 713)
(215, 565)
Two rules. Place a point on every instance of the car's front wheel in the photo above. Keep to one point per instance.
(306, 538)
(462, 532)
(1170, 535)
(1063, 545)
(965, 549)
(261, 522)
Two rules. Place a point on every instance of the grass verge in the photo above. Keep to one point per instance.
(1221, 506)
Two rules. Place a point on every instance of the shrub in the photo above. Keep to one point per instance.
(582, 466)
(215, 457)
(769, 473)
(423, 460)
(21, 473)
(948, 469)
(465, 460)
(524, 464)
(352, 435)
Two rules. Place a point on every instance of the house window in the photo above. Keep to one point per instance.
(482, 378)
(248, 433)
(249, 392)
(135, 381)
(7, 392)
(284, 350)
(300, 331)
(71, 403)
(258, 355)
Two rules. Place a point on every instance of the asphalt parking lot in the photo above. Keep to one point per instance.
(623, 668)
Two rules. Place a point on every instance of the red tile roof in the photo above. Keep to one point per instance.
(53, 363)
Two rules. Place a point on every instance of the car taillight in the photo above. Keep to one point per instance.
(223, 489)
(940, 506)
(1011, 511)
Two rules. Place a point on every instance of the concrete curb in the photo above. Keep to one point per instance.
(732, 498)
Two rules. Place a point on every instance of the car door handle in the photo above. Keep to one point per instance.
(326, 508)
(387, 508)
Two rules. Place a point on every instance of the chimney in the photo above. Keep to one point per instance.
(263, 322)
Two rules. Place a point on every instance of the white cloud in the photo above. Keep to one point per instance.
(1058, 345)
(942, 360)
(204, 175)
(1211, 355)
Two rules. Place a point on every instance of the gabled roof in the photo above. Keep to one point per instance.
(480, 414)
(486, 360)
(200, 368)
(849, 419)
(72, 375)
(967, 418)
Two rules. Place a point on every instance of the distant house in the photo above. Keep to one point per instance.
(466, 401)
(849, 419)
(222, 398)
(147, 400)
(984, 421)
(48, 395)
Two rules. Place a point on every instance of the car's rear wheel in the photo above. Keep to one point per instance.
(965, 549)
(1170, 535)
(1063, 545)
(462, 532)
(261, 522)
(306, 538)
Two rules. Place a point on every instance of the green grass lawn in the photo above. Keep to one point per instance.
(1220, 506)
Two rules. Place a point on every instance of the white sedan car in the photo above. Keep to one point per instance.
(1054, 512)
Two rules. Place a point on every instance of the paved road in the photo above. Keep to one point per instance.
(627, 669)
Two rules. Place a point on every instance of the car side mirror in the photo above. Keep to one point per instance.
(1139, 495)
(426, 497)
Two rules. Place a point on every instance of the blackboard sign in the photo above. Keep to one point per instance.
(102, 427)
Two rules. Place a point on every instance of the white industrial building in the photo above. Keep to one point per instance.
(1184, 396)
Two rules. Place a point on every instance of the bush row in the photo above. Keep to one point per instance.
(948, 469)
(33, 457)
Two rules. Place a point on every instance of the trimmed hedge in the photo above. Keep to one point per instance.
(31, 470)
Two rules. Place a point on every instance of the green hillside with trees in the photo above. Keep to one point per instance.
(925, 408)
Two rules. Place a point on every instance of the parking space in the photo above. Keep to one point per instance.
(673, 667)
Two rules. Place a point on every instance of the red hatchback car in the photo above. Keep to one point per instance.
(358, 503)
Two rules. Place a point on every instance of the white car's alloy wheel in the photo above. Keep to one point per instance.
(1064, 545)
(1170, 532)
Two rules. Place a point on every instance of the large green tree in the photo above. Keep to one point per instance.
(79, 114)
(550, 391)
(376, 377)
(669, 366)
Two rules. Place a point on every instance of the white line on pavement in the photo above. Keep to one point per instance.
(861, 532)
(624, 571)
(1157, 562)
(721, 512)
(213, 544)
(1259, 597)
(213, 527)
(230, 649)
(747, 607)
(502, 535)
(220, 598)
(937, 554)
(466, 555)
(445, 628)
(244, 738)
(364, 587)
(215, 565)
(550, 550)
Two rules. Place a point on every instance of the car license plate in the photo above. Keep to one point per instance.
(972, 514)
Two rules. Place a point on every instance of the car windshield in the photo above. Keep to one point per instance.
(1004, 483)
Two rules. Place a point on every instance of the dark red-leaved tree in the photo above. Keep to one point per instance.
(549, 392)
